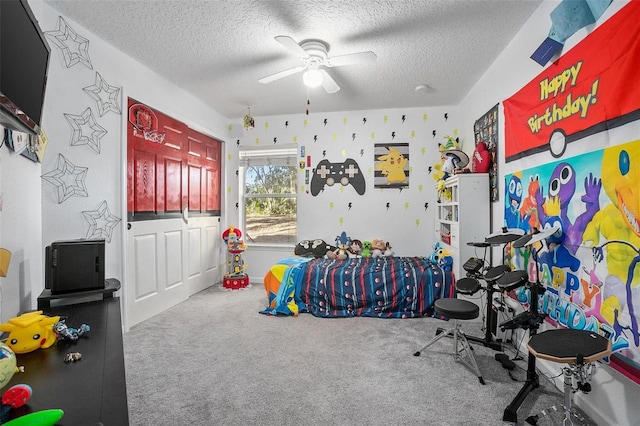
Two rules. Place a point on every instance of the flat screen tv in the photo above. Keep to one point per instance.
(24, 61)
(74, 265)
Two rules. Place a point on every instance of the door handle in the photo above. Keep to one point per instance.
(185, 214)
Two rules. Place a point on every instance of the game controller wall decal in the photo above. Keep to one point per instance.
(346, 173)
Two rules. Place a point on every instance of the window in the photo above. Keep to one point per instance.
(268, 199)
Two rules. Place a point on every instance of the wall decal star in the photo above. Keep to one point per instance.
(86, 131)
(68, 178)
(107, 97)
(74, 48)
(101, 222)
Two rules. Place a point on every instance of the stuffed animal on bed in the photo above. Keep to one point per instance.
(355, 249)
(313, 248)
(387, 250)
(342, 242)
(377, 248)
(366, 249)
(441, 257)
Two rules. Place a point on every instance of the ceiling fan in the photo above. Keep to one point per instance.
(314, 54)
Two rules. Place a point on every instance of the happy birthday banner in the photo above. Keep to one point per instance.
(591, 271)
(591, 88)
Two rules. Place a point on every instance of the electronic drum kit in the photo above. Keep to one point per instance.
(477, 271)
(543, 345)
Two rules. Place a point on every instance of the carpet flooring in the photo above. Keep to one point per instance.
(214, 360)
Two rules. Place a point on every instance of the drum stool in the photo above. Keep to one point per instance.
(457, 310)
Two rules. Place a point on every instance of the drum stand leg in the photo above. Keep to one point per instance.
(582, 372)
(532, 382)
(487, 340)
(461, 348)
(568, 388)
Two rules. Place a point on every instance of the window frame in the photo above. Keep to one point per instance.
(284, 155)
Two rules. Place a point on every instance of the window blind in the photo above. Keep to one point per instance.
(281, 155)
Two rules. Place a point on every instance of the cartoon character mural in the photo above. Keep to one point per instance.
(513, 201)
(614, 235)
(588, 101)
(562, 184)
(589, 265)
(530, 204)
(391, 165)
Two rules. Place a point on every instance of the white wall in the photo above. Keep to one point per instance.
(32, 215)
(20, 232)
(609, 402)
(406, 223)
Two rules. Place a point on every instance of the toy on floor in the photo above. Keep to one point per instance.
(69, 334)
(30, 331)
(235, 277)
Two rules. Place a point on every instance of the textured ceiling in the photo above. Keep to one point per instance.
(218, 50)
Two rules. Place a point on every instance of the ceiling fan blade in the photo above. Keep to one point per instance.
(351, 59)
(281, 74)
(328, 83)
(292, 45)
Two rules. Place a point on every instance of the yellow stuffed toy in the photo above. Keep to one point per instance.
(30, 331)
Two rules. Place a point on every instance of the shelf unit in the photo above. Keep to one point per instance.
(463, 217)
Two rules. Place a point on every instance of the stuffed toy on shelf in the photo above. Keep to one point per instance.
(30, 331)
(452, 160)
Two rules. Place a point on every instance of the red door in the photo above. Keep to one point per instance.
(169, 166)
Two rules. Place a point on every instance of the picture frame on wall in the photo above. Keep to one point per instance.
(391, 165)
(485, 129)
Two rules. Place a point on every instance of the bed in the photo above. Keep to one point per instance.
(383, 287)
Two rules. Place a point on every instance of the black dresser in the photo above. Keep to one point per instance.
(91, 391)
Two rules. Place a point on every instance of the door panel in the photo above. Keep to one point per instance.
(195, 188)
(155, 272)
(204, 253)
(145, 182)
(174, 257)
(172, 185)
(170, 257)
(147, 278)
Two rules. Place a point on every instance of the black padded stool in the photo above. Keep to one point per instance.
(456, 310)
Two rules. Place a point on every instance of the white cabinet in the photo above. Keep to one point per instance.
(463, 217)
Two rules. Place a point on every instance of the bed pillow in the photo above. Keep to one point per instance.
(313, 248)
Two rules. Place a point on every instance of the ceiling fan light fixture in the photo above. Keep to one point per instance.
(312, 77)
